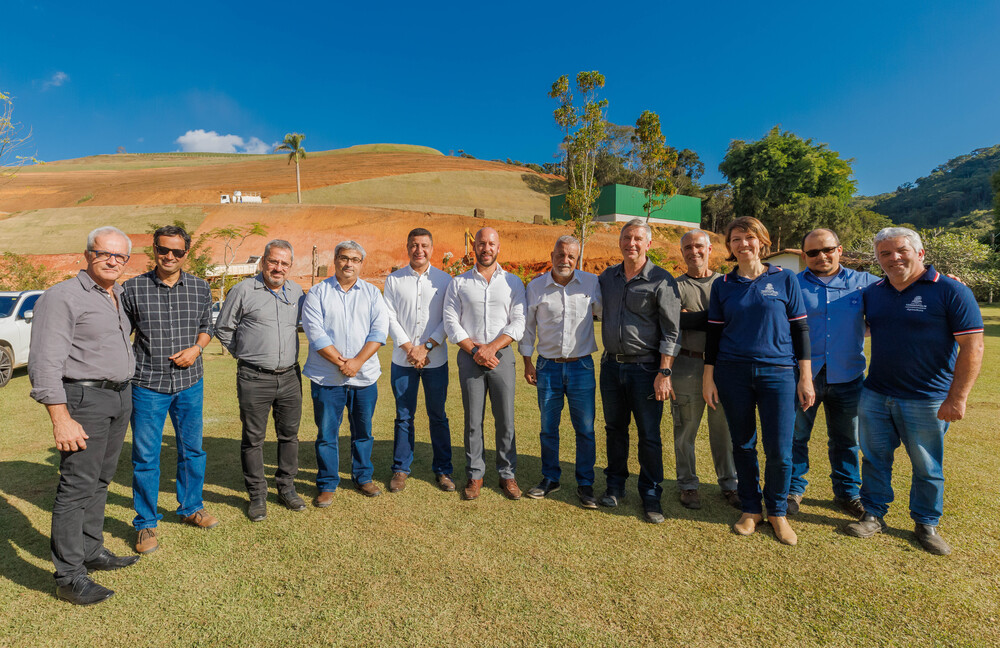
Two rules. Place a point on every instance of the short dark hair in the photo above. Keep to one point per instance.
(419, 231)
(172, 230)
(817, 231)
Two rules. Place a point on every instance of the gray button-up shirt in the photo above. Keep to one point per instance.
(259, 325)
(78, 332)
(642, 315)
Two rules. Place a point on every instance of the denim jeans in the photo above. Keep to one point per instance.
(328, 409)
(746, 388)
(626, 391)
(149, 413)
(574, 381)
(405, 383)
(885, 423)
(840, 401)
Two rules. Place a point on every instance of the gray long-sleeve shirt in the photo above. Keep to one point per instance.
(641, 315)
(79, 333)
(259, 325)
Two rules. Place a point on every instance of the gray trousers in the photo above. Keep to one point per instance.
(478, 382)
(84, 475)
(258, 394)
(687, 409)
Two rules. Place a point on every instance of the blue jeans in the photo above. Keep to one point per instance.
(627, 390)
(885, 423)
(149, 413)
(770, 390)
(575, 381)
(405, 383)
(328, 409)
(840, 401)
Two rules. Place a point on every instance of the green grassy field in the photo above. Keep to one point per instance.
(504, 195)
(424, 568)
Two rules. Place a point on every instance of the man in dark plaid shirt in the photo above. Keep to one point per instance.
(171, 316)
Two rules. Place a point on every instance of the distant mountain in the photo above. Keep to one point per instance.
(948, 195)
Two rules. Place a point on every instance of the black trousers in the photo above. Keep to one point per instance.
(84, 475)
(259, 393)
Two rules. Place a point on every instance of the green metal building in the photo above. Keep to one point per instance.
(620, 203)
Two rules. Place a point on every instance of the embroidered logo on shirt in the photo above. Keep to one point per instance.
(917, 305)
(769, 291)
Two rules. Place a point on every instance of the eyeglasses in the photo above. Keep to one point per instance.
(104, 255)
(164, 251)
(346, 259)
(815, 253)
(271, 263)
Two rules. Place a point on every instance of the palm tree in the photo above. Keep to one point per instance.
(293, 144)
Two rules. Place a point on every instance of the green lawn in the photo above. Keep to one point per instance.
(424, 568)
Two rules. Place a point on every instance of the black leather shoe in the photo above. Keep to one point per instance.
(586, 495)
(292, 500)
(653, 516)
(931, 540)
(107, 561)
(852, 507)
(611, 499)
(544, 487)
(83, 591)
(866, 527)
(257, 510)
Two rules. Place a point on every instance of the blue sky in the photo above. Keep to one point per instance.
(898, 86)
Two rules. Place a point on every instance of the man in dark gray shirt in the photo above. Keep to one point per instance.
(80, 365)
(258, 324)
(640, 331)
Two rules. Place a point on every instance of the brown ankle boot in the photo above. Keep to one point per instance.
(783, 531)
(748, 523)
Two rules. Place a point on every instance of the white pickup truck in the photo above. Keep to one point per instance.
(16, 309)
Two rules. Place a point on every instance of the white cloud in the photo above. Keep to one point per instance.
(56, 80)
(203, 141)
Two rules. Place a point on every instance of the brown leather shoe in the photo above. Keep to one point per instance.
(690, 498)
(472, 489)
(323, 500)
(446, 483)
(201, 519)
(398, 482)
(146, 542)
(732, 498)
(748, 523)
(369, 489)
(510, 489)
(783, 530)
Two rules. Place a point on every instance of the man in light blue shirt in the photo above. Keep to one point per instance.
(832, 294)
(345, 321)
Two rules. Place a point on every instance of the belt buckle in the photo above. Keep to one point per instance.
(619, 356)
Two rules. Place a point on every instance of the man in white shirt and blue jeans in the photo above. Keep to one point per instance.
(560, 310)
(414, 297)
(483, 315)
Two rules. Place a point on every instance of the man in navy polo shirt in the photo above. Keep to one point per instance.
(832, 295)
(927, 349)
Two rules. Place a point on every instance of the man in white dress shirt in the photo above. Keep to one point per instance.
(414, 297)
(560, 310)
(483, 314)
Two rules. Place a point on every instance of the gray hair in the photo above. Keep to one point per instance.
(696, 232)
(102, 231)
(640, 223)
(887, 233)
(566, 239)
(349, 245)
(281, 244)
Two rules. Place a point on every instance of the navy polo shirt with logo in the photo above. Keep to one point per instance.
(755, 314)
(913, 334)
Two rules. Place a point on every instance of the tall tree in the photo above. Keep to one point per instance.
(654, 161)
(293, 144)
(581, 146)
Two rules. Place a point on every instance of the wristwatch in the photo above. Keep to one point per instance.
(428, 345)
(665, 373)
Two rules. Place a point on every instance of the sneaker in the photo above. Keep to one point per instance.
(257, 510)
(690, 498)
(732, 498)
(146, 542)
(611, 499)
(794, 499)
(544, 487)
(398, 481)
(865, 527)
(201, 519)
(291, 500)
(586, 495)
(852, 507)
(931, 540)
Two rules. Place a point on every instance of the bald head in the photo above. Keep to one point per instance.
(486, 247)
(821, 232)
(822, 251)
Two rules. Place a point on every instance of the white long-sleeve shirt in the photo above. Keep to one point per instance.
(562, 317)
(482, 310)
(415, 302)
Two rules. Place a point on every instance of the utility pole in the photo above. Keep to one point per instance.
(312, 280)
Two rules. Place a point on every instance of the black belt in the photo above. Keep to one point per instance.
(631, 359)
(99, 384)
(692, 354)
(562, 359)
(273, 372)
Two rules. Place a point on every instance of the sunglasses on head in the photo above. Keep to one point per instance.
(164, 251)
(816, 252)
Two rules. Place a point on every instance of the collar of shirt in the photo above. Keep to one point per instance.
(839, 281)
(734, 275)
(550, 280)
(338, 287)
(260, 284)
(159, 282)
(930, 275)
(88, 283)
(644, 273)
(498, 273)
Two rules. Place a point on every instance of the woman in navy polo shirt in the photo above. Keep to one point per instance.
(757, 333)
